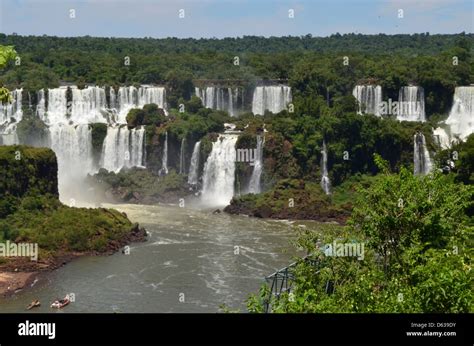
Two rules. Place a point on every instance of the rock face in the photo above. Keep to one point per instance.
(25, 170)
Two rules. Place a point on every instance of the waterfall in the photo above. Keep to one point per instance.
(88, 105)
(41, 105)
(194, 166)
(57, 107)
(411, 104)
(325, 182)
(10, 114)
(122, 148)
(70, 136)
(442, 137)
(254, 184)
(131, 97)
(219, 172)
(164, 159)
(150, 94)
(273, 98)
(137, 141)
(369, 98)
(461, 116)
(73, 147)
(224, 99)
(112, 99)
(421, 156)
(460, 122)
(12, 109)
(181, 157)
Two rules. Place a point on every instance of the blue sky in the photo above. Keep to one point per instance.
(224, 18)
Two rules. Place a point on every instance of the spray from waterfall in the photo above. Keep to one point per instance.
(194, 165)
(325, 182)
(73, 147)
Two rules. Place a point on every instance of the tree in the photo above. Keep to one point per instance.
(7, 53)
(417, 254)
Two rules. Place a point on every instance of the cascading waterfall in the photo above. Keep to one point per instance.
(131, 97)
(369, 98)
(219, 172)
(69, 131)
(41, 105)
(421, 155)
(325, 182)
(254, 184)
(73, 147)
(57, 107)
(112, 99)
(10, 114)
(274, 98)
(224, 99)
(164, 159)
(411, 104)
(150, 94)
(461, 116)
(194, 165)
(181, 157)
(88, 105)
(137, 142)
(460, 122)
(122, 148)
(12, 109)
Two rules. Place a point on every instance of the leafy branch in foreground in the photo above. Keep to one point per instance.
(417, 256)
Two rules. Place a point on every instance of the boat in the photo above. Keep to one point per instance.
(33, 304)
(59, 304)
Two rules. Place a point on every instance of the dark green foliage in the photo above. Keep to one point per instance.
(28, 171)
(417, 255)
(194, 104)
(139, 186)
(149, 115)
(289, 199)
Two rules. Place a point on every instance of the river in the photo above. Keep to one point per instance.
(193, 261)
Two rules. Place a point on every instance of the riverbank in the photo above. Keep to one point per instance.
(20, 273)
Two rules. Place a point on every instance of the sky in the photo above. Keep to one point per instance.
(233, 18)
